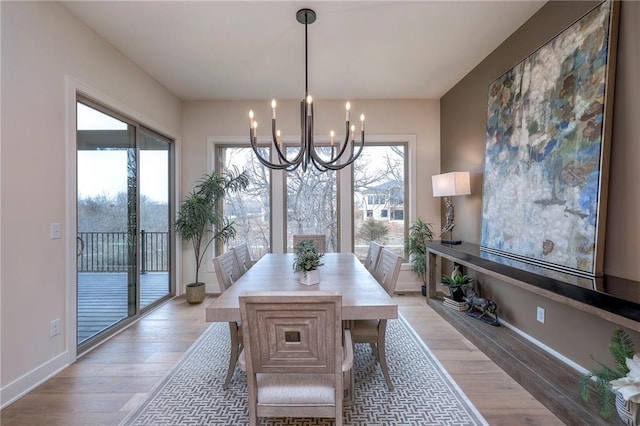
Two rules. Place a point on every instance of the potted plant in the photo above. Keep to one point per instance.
(419, 233)
(455, 282)
(200, 220)
(307, 262)
(621, 347)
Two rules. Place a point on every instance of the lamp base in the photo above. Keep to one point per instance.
(451, 242)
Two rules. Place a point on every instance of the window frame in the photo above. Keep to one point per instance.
(345, 187)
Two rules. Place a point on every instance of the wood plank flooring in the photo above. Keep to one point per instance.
(111, 380)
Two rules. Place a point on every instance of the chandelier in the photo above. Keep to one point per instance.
(342, 154)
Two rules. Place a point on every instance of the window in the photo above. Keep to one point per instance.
(312, 199)
(250, 209)
(379, 181)
(279, 204)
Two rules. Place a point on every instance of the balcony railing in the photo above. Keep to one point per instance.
(108, 252)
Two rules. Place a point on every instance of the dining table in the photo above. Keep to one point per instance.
(362, 296)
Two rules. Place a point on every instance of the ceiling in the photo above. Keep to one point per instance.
(235, 50)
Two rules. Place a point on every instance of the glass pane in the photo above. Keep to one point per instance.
(106, 199)
(154, 217)
(379, 189)
(250, 208)
(312, 199)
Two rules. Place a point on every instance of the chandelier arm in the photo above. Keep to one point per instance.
(281, 156)
(254, 145)
(335, 161)
(330, 164)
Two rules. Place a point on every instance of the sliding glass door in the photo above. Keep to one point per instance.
(123, 191)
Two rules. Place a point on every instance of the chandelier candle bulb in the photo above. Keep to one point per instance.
(250, 119)
(353, 132)
(362, 122)
(273, 109)
(331, 135)
(278, 137)
(348, 107)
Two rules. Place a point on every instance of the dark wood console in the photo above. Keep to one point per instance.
(611, 298)
(544, 376)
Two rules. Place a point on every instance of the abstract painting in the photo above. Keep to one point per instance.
(546, 158)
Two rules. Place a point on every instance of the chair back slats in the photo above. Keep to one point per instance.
(243, 257)
(227, 269)
(320, 240)
(373, 256)
(388, 270)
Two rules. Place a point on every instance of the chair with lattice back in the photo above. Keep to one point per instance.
(294, 354)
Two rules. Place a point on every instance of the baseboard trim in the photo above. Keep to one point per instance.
(26, 383)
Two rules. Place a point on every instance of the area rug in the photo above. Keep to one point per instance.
(424, 394)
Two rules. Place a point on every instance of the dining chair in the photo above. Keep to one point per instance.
(374, 332)
(319, 239)
(243, 257)
(373, 256)
(227, 269)
(227, 272)
(295, 354)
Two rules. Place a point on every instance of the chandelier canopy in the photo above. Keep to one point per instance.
(342, 154)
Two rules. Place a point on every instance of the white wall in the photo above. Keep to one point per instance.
(41, 45)
(222, 119)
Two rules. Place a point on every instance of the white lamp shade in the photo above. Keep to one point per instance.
(450, 184)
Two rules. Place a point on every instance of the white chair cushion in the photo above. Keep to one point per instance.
(295, 389)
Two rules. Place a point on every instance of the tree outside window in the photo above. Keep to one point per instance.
(379, 192)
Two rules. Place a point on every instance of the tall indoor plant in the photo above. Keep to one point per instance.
(419, 233)
(200, 219)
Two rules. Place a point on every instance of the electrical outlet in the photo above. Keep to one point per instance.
(540, 314)
(54, 328)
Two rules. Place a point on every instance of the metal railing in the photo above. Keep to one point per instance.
(109, 252)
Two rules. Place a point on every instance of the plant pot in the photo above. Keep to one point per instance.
(424, 289)
(309, 277)
(457, 294)
(195, 293)
(627, 410)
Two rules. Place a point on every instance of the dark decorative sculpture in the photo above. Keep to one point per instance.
(480, 307)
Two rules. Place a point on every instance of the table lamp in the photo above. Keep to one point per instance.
(449, 185)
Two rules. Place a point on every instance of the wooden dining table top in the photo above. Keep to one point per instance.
(362, 296)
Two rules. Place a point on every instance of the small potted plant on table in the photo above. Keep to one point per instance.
(307, 262)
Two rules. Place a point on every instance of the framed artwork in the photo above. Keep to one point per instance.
(547, 149)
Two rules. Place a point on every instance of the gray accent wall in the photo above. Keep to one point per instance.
(573, 333)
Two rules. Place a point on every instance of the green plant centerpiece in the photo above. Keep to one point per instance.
(307, 262)
(456, 283)
(201, 221)
(416, 246)
(621, 347)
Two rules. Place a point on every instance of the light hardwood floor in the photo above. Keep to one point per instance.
(102, 387)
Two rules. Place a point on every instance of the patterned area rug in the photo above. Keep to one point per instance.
(424, 394)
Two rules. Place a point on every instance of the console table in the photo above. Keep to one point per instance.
(611, 298)
(545, 377)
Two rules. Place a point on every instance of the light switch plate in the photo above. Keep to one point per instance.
(55, 231)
